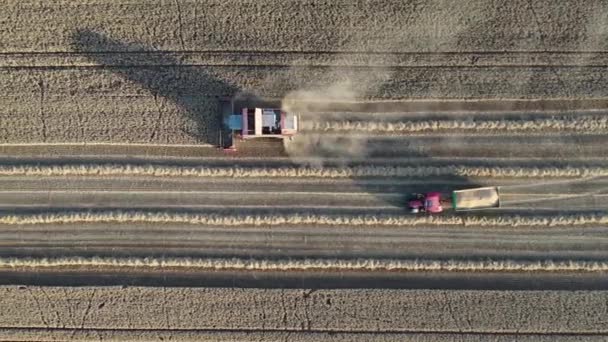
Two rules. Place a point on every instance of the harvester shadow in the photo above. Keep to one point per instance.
(199, 93)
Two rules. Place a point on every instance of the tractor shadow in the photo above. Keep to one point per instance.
(200, 94)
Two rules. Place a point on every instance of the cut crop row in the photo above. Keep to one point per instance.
(574, 124)
(122, 217)
(239, 264)
(295, 172)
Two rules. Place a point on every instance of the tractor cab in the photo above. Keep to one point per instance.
(429, 203)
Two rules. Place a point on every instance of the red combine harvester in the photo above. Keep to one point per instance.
(254, 123)
(460, 200)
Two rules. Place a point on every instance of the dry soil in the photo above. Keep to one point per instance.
(218, 314)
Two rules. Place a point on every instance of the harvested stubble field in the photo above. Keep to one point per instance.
(114, 313)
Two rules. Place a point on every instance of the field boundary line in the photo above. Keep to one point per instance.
(369, 59)
(335, 52)
(153, 333)
(201, 192)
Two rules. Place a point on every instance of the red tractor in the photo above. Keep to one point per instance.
(426, 203)
(460, 200)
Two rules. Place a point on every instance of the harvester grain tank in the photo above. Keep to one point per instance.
(254, 123)
(263, 122)
(460, 200)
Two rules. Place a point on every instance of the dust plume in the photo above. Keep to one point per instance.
(353, 85)
(315, 148)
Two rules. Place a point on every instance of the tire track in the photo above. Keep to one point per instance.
(309, 58)
(233, 334)
(274, 201)
(178, 240)
(296, 185)
(296, 160)
(432, 145)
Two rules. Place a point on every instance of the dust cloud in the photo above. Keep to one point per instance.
(353, 87)
(317, 150)
(313, 149)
